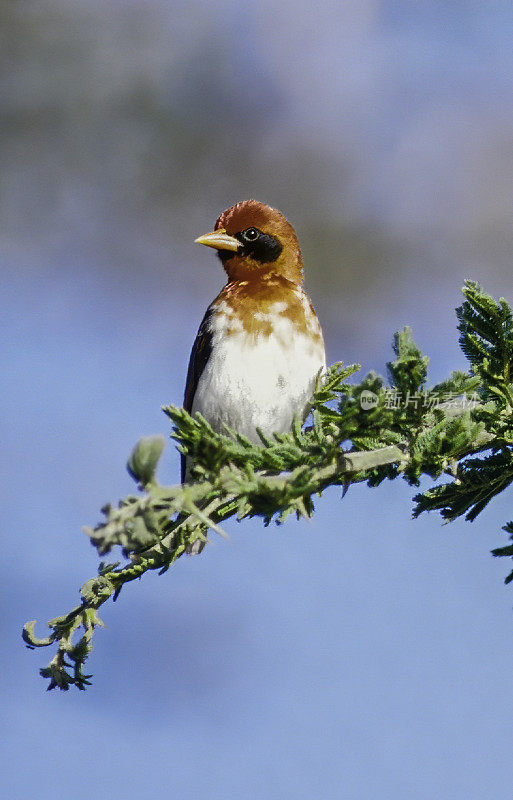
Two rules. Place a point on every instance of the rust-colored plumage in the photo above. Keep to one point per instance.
(252, 214)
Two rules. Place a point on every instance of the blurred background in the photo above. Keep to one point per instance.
(357, 655)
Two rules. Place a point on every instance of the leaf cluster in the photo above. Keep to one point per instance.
(354, 432)
(486, 338)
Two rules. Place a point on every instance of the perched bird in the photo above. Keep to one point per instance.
(259, 347)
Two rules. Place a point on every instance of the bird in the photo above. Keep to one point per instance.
(260, 348)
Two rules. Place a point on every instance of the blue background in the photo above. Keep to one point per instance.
(358, 655)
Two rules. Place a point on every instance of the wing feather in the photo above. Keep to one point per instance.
(200, 354)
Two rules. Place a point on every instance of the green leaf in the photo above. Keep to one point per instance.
(144, 458)
(31, 639)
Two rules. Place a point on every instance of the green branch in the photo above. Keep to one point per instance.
(368, 431)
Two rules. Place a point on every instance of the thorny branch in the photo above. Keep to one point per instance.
(366, 432)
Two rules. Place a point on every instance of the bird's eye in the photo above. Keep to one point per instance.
(250, 234)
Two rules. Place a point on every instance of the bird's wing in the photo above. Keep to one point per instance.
(200, 354)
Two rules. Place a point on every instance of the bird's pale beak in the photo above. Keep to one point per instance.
(220, 240)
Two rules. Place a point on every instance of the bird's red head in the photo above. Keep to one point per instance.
(254, 239)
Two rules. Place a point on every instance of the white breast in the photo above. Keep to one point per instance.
(258, 381)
